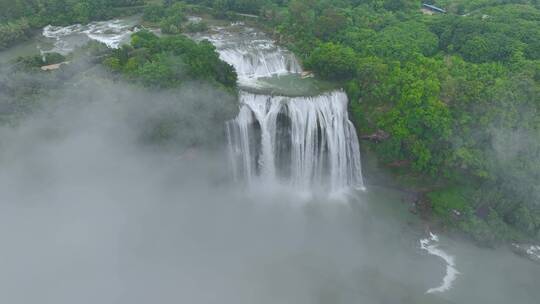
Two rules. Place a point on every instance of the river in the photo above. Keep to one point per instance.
(300, 223)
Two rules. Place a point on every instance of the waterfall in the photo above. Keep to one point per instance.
(305, 142)
(113, 33)
(252, 54)
(256, 63)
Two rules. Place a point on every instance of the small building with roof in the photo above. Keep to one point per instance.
(430, 9)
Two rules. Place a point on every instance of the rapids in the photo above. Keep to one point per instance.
(113, 33)
(251, 52)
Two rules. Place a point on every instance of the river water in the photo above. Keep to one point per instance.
(64, 40)
(87, 218)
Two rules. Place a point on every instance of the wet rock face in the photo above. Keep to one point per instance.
(532, 252)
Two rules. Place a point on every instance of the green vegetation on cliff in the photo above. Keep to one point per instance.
(458, 96)
(170, 61)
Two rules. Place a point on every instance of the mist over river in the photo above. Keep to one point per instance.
(89, 214)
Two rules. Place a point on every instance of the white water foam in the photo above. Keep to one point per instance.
(431, 246)
(112, 33)
(252, 53)
(194, 19)
(534, 251)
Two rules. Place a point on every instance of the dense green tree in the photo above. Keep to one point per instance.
(154, 13)
(333, 61)
(170, 61)
(457, 95)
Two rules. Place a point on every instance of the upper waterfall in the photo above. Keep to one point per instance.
(251, 52)
(113, 33)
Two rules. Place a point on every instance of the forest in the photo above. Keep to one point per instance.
(457, 95)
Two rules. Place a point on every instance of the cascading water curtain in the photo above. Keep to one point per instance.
(322, 144)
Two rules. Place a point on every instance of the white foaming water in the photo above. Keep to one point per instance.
(431, 246)
(194, 19)
(112, 33)
(251, 52)
(534, 251)
(305, 142)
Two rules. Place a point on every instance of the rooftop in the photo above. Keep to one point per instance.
(433, 8)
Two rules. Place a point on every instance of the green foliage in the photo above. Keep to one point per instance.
(446, 201)
(467, 7)
(420, 120)
(490, 231)
(526, 220)
(458, 95)
(154, 13)
(169, 16)
(113, 64)
(163, 71)
(12, 32)
(399, 5)
(494, 34)
(333, 61)
(402, 42)
(170, 61)
(479, 230)
(30, 62)
(60, 11)
(53, 58)
(331, 22)
(195, 27)
(456, 207)
(438, 108)
(243, 6)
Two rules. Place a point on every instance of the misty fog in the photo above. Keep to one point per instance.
(90, 213)
(94, 212)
